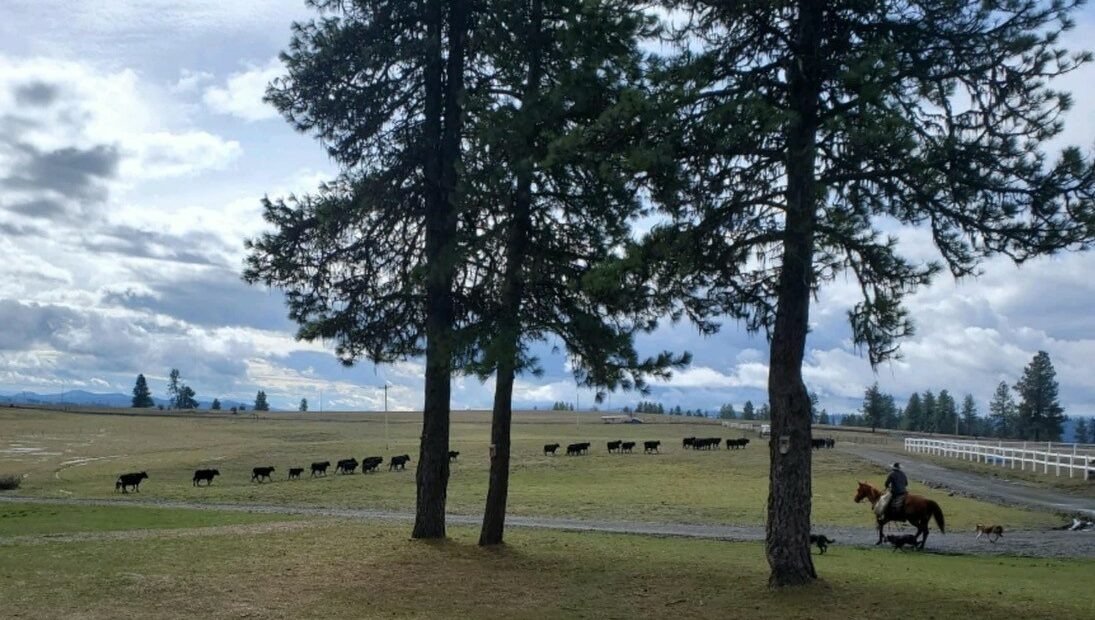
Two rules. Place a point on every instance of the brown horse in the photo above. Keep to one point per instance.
(917, 511)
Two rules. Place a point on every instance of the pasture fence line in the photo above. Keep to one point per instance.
(1049, 457)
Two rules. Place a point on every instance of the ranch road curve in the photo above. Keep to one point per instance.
(1007, 492)
(1053, 543)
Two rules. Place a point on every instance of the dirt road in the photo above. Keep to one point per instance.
(1007, 492)
(1027, 543)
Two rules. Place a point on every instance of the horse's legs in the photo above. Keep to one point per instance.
(880, 524)
(922, 528)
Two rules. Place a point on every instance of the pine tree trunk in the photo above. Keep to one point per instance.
(494, 514)
(442, 129)
(789, 484)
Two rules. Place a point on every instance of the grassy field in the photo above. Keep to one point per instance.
(1076, 485)
(79, 455)
(336, 569)
(37, 520)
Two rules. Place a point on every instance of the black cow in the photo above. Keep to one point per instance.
(399, 462)
(130, 480)
(258, 473)
(688, 442)
(550, 448)
(614, 446)
(295, 472)
(452, 455)
(574, 449)
(736, 443)
(830, 443)
(205, 474)
(346, 466)
(320, 468)
(627, 446)
(370, 463)
(650, 447)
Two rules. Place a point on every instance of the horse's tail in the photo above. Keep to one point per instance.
(937, 512)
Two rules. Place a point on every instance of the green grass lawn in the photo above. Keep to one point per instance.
(368, 570)
(37, 519)
(80, 455)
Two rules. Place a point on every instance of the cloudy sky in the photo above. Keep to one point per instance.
(134, 148)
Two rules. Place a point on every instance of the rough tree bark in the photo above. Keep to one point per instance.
(789, 493)
(494, 514)
(442, 128)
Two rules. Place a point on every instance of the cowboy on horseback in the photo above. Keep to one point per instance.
(897, 487)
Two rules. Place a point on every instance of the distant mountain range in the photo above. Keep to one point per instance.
(91, 399)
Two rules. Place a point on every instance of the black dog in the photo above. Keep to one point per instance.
(821, 541)
(899, 542)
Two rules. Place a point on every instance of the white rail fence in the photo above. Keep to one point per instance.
(1059, 459)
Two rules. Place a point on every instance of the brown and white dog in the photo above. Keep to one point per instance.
(994, 532)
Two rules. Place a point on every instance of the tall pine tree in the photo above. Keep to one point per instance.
(1040, 415)
(796, 130)
(372, 260)
(142, 397)
(548, 172)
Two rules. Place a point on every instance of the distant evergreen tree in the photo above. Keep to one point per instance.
(303, 405)
(1003, 412)
(1041, 417)
(913, 417)
(726, 412)
(216, 406)
(823, 417)
(142, 397)
(946, 413)
(814, 412)
(872, 406)
(970, 421)
(186, 398)
(764, 413)
(173, 387)
(927, 423)
(1082, 431)
(748, 412)
(260, 402)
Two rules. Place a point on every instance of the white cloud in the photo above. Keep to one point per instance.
(241, 95)
(190, 81)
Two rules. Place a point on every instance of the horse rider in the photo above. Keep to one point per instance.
(897, 486)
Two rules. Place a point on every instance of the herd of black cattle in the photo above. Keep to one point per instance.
(372, 463)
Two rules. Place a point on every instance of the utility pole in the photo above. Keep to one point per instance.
(387, 442)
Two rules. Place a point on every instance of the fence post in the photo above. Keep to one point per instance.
(1072, 461)
(1045, 461)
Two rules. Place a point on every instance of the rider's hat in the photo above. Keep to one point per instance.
(897, 465)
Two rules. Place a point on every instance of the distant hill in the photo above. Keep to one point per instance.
(91, 399)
